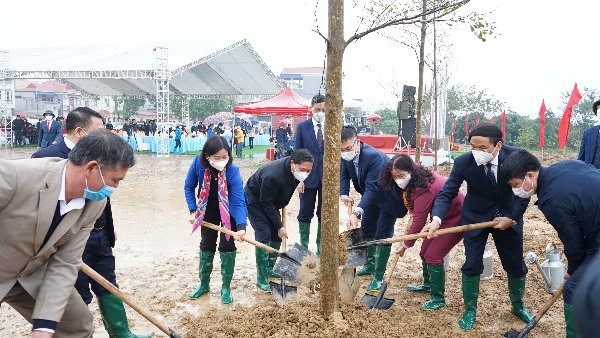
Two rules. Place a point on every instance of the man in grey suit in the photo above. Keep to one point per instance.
(47, 209)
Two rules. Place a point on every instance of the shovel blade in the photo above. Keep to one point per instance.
(511, 334)
(287, 268)
(282, 291)
(355, 257)
(378, 302)
(373, 302)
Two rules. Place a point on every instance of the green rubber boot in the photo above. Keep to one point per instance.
(115, 318)
(319, 239)
(470, 290)
(571, 332)
(438, 287)
(367, 269)
(273, 259)
(381, 259)
(262, 270)
(206, 266)
(227, 266)
(304, 233)
(516, 290)
(421, 287)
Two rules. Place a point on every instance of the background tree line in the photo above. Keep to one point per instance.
(521, 130)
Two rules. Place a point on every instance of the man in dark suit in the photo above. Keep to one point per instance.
(567, 194)
(487, 199)
(50, 131)
(363, 164)
(590, 143)
(281, 137)
(18, 126)
(98, 249)
(309, 135)
(586, 301)
(268, 190)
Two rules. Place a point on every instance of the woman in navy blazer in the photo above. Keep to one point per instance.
(219, 200)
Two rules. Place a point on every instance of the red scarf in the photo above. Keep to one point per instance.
(203, 201)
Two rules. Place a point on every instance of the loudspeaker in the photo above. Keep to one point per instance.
(403, 110)
(408, 93)
(407, 129)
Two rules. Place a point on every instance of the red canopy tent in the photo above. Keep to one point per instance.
(286, 103)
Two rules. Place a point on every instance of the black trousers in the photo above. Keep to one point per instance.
(264, 231)
(251, 142)
(509, 244)
(99, 256)
(208, 240)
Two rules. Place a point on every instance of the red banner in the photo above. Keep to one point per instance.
(493, 119)
(453, 129)
(467, 125)
(542, 123)
(476, 119)
(565, 121)
(503, 119)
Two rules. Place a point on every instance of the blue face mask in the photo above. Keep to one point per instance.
(105, 192)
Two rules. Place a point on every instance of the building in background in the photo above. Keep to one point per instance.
(306, 81)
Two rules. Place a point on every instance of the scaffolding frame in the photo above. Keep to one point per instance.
(161, 82)
(6, 135)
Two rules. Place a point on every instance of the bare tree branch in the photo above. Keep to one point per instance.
(410, 19)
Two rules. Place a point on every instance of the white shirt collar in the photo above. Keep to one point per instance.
(494, 161)
(315, 122)
(76, 203)
(69, 143)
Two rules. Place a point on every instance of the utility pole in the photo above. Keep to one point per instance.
(420, 90)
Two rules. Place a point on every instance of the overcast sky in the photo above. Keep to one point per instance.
(542, 49)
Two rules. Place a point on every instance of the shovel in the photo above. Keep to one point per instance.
(378, 302)
(453, 230)
(259, 245)
(115, 291)
(281, 290)
(291, 271)
(355, 257)
(538, 316)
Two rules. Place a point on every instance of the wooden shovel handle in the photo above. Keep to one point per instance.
(392, 268)
(283, 240)
(350, 209)
(249, 240)
(549, 303)
(115, 291)
(453, 230)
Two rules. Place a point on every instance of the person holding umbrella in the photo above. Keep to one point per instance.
(220, 200)
(419, 187)
(269, 189)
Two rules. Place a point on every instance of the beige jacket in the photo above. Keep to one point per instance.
(29, 192)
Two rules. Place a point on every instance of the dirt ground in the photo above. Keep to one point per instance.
(157, 266)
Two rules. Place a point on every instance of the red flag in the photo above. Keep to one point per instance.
(476, 119)
(542, 123)
(565, 121)
(493, 117)
(453, 128)
(466, 125)
(503, 119)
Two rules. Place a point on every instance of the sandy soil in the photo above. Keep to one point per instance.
(157, 265)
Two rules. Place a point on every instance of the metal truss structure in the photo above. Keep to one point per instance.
(6, 135)
(161, 81)
(185, 110)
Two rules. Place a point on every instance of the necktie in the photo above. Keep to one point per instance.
(491, 178)
(320, 136)
(48, 125)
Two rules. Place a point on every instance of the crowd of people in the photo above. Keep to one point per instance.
(39, 267)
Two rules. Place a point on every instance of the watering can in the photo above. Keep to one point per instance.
(552, 269)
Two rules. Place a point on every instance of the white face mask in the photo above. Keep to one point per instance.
(482, 157)
(348, 155)
(319, 116)
(219, 165)
(403, 182)
(48, 118)
(301, 175)
(520, 191)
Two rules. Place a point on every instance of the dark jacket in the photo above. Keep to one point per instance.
(480, 200)
(271, 187)
(235, 190)
(61, 150)
(306, 138)
(47, 137)
(370, 165)
(586, 302)
(568, 196)
(588, 145)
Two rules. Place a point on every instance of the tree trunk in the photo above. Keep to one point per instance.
(420, 90)
(331, 160)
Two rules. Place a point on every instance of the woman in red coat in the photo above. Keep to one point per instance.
(419, 187)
